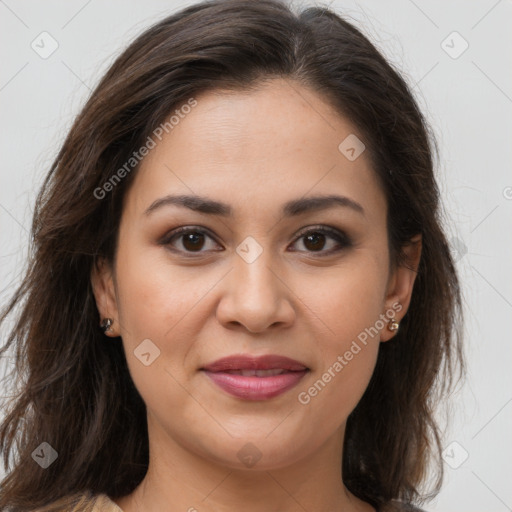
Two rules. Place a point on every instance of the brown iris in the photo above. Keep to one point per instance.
(193, 241)
(317, 241)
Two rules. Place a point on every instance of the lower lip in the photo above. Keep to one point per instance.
(255, 388)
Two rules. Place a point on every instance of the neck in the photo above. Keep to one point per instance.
(179, 479)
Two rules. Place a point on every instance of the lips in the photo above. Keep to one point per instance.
(257, 373)
(243, 362)
(255, 378)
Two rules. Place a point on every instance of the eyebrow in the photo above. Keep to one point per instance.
(290, 209)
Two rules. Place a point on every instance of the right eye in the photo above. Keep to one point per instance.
(191, 239)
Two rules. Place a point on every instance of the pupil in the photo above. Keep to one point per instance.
(315, 238)
(194, 239)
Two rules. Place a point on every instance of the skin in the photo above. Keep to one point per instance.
(255, 151)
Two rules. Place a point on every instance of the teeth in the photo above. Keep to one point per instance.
(257, 373)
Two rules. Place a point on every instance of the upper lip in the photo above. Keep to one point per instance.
(248, 362)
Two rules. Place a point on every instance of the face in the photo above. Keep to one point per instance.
(263, 271)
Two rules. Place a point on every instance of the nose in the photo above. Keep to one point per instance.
(255, 296)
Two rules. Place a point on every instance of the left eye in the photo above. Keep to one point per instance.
(192, 240)
(314, 239)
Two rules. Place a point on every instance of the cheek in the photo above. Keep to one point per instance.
(154, 302)
(348, 301)
(166, 305)
(347, 311)
(153, 295)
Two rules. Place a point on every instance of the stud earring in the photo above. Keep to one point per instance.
(393, 325)
(105, 325)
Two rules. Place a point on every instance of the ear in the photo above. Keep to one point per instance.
(102, 281)
(401, 282)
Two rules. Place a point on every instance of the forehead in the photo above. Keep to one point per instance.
(257, 148)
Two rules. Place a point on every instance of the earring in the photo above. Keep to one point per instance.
(393, 325)
(105, 325)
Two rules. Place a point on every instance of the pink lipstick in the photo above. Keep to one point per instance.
(255, 378)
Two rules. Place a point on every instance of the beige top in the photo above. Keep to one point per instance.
(103, 503)
(82, 502)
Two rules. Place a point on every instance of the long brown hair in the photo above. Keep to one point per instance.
(73, 390)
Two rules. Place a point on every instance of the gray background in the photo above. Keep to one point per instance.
(467, 98)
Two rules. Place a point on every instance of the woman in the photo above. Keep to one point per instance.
(240, 294)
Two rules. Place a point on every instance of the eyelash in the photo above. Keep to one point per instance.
(339, 236)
